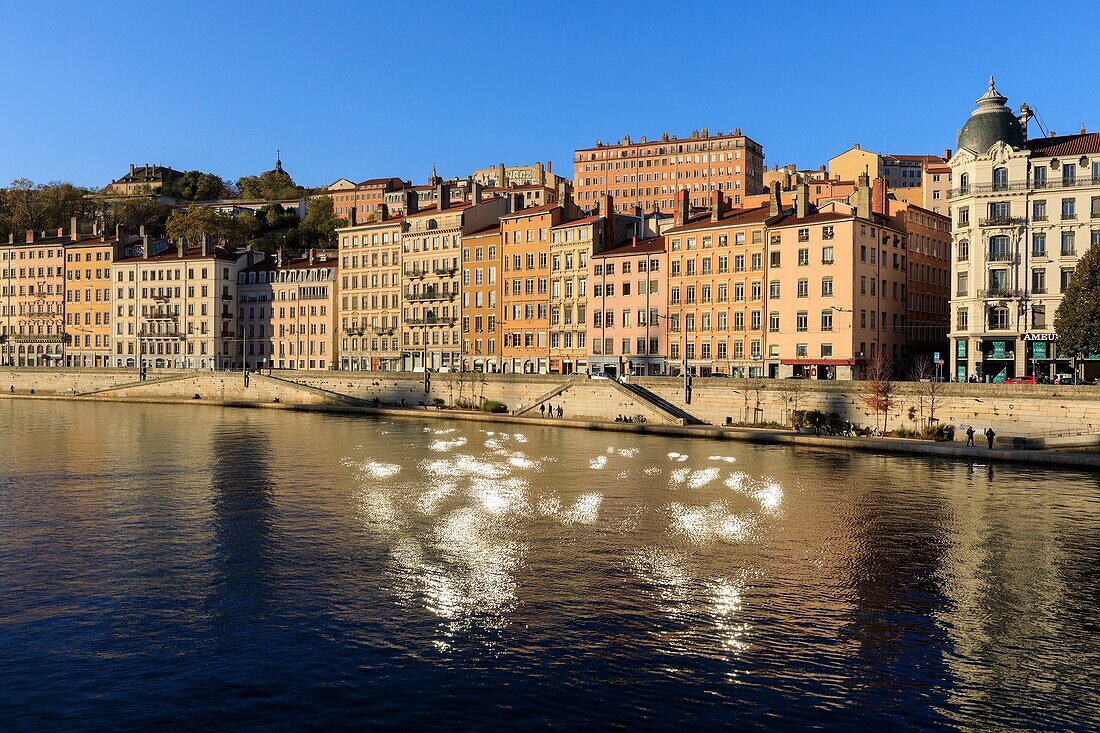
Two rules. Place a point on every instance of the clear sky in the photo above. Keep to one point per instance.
(366, 89)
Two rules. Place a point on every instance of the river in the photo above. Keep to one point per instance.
(164, 567)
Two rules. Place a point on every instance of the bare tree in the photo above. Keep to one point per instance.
(879, 391)
(929, 390)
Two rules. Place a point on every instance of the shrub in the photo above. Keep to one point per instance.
(493, 406)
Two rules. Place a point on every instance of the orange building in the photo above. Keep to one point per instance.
(88, 261)
(928, 243)
(365, 198)
(716, 289)
(525, 292)
(648, 174)
(33, 299)
(481, 303)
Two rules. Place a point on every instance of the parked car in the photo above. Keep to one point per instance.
(1022, 380)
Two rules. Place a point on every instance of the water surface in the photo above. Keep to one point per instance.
(167, 567)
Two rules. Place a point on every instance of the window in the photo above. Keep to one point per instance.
(826, 287)
(803, 257)
(1066, 276)
(802, 321)
(962, 319)
(1038, 244)
(964, 183)
(1039, 210)
(1000, 179)
(803, 288)
(826, 351)
(1069, 174)
(773, 289)
(827, 319)
(999, 249)
(1039, 176)
(963, 286)
(998, 282)
(1069, 208)
(773, 322)
(773, 259)
(827, 233)
(962, 250)
(1068, 246)
(827, 254)
(1038, 280)
(964, 215)
(998, 318)
(1039, 316)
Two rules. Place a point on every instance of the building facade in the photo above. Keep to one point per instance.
(1024, 211)
(629, 306)
(525, 296)
(572, 244)
(88, 260)
(648, 174)
(481, 302)
(370, 294)
(286, 313)
(32, 299)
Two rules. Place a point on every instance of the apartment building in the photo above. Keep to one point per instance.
(572, 244)
(482, 336)
(32, 299)
(837, 288)
(370, 293)
(716, 297)
(629, 306)
(88, 260)
(928, 244)
(937, 185)
(173, 305)
(146, 178)
(1024, 212)
(431, 251)
(648, 174)
(286, 313)
(525, 292)
(363, 199)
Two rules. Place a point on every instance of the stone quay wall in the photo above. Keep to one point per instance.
(1029, 411)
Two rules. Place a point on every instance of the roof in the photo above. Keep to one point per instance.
(368, 224)
(653, 244)
(670, 141)
(789, 218)
(991, 122)
(531, 211)
(148, 174)
(733, 217)
(431, 209)
(914, 158)
(380, 181)
(1085, 144)
(489, 230)
(578, 222)
(191, 253)
(296, 263)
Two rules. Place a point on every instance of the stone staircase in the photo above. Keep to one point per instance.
(318, 391)
(140, 383)
(551, 394)
(657, 403)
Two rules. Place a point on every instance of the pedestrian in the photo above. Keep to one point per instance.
(542, 410)
(402, 403)
(989, 436)
(559, 411)
(970, 436)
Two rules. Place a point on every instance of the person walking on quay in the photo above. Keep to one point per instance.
(542, 410)
(559, 411)
(970, 436)
(989, 436)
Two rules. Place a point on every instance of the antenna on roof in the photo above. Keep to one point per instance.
(1039, 122)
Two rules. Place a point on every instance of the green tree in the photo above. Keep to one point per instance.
(198, 186)
(134, 213)
(319, 226)
(269, 186)
(192, 224)
(1077, 320)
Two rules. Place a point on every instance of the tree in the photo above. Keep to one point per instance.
(320, 224)
(925, 373)
(269, 186)
(879, 390)
(1077, 320)
(134, 213)
(197, 186)
(196, 221)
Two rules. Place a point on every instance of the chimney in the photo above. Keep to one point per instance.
(383, 211)
(503, 180)
(180, 249)
(131, 169)
(947, 153)
(312, 256)
(74, 229)
(774, 204)
(863, 196)
(549, 166)
(802, 206)
(442, 196)
(11, 238)
(352, 216)
(717, 205)
(879, 202)
(61, 231)
(145, 248)
(607, 205)
(680, 215)
(205, 245)
(141, 231)
(30, 236)
(412, 202)
(280, 257)
(475, 192)
(118, 231)
(540, 174)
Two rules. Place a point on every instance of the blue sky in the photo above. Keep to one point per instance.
(370, 89)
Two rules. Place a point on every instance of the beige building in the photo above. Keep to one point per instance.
(370, 294)
(431, 251)
(32, 299)
(1024, 212)
(146, 178)
(937, 184)
(173, 306)
(854, 162)
(571, 246)
(286, 313)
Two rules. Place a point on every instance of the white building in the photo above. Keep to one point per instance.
(1024, 211)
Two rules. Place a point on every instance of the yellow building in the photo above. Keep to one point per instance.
(88, 261)
(370, 293)
(855, 161)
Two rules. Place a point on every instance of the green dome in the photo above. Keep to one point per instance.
(991, 122)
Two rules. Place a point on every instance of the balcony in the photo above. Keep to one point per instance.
(445, 271)
(1055, 183)
(1000, 293)
(999, 255)
(431, 321)
(1003, 221)
(415, 272)
(227, 296)
(353, 330)
(165, 335)
(430, 295)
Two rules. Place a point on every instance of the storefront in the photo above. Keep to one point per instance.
(962, 360)
(822, 369)
(1039, 355)
(998, 360)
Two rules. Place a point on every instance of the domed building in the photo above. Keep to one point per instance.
(1023, 212)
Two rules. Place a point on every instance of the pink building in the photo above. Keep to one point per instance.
(629, 311)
